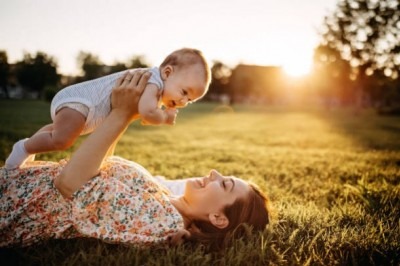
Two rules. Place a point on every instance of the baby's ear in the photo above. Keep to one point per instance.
(166, 72)
(179, 237)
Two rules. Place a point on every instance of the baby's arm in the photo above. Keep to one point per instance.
(149, 110)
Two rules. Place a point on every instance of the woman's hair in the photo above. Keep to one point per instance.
(253, 211)
(186, 57)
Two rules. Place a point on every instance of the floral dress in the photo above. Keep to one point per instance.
(123, 204)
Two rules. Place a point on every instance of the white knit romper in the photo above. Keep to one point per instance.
(96, 96)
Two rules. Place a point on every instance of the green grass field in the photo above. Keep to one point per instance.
(333, 178)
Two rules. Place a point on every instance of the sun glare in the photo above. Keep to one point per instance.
(296, 69)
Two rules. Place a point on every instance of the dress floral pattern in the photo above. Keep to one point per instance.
(123, 204)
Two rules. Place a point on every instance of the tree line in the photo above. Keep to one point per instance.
(359, 53)
(356, 61)
(38, 72)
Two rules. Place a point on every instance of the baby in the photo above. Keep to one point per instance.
(183, 77)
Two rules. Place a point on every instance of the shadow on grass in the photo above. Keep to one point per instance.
(368, 130)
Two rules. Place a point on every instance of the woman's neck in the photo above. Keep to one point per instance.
(183, 208)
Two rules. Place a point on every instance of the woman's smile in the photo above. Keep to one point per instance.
(200, 181)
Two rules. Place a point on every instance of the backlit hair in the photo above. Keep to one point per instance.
(253, 211)
(187, 57)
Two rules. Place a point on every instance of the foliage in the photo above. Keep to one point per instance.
(117, 67)
(367, 34)
(333, 178)
(220, 74)
(332, 74)
(91, 65)
(358, 57)
(36, 72)
(137, 61)
(49, 93)
(4, 72)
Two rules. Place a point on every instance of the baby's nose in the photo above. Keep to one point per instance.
(183, 101)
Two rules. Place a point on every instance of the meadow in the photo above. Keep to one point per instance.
(333, 177)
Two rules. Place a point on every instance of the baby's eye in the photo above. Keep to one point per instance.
(223, 184)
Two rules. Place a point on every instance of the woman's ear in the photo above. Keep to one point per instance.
(218, 220)
(166, 72)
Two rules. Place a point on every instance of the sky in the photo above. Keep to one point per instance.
(260, 32)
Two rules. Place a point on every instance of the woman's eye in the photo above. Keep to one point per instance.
(184, 92)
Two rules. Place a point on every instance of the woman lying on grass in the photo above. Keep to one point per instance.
(118, 201)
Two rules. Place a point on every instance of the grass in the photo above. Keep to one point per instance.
(333, 178)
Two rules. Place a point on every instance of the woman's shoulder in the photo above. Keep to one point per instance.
(122, 165)
(125, 189)
(138, 179)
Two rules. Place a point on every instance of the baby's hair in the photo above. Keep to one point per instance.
(186, 57)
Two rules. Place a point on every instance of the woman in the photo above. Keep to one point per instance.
(118, 201)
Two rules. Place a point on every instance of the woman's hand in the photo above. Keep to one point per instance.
(126, 94)
(178, 238)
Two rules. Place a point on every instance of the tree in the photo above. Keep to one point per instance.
(220, 74)
(332, 75)
(117, 67)
(137, 61)
(91, 65)
(366, 33)
(35, 73)
(4, 73)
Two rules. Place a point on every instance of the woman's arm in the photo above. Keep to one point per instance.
(86, 161)
(111, 149)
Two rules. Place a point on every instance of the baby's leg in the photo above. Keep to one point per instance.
(31, 157)
(67, 126)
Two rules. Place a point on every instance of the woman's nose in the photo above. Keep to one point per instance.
(214, 175)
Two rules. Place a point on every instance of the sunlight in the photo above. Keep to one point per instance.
(297, 61)
(297, 69)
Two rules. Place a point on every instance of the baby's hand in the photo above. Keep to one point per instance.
(171, 115)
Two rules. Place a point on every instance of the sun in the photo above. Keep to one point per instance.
(297, 69)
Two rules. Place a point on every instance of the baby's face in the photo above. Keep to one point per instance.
(183, 86)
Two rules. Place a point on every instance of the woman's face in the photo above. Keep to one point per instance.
(210, 194)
